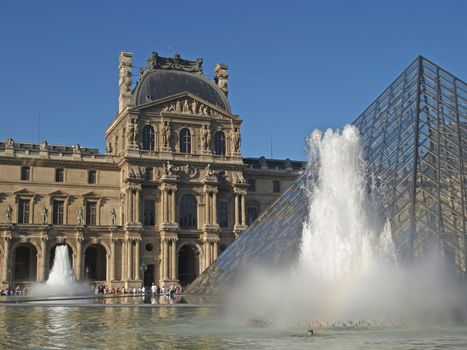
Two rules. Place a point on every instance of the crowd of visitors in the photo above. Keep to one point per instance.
(19, 290)
(174, 289)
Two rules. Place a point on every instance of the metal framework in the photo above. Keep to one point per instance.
(414, 138)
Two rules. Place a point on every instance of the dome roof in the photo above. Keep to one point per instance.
(160, 83)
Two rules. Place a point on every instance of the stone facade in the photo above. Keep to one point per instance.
(170, 193)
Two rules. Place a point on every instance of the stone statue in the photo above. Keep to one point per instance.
(222, 76)
(131, 132)
(168, 168)
(10, 142)
(205, 110)
(80, 216)
(108, 148)
(208, 137)
(204, 136)
(194, 107)
(8, 213)
(186, 107)
(178, 107)
(76, 148)
(113, 216)
(43, 146)
(166, 135)
(208, 172)
(44, 214)
(236, 140)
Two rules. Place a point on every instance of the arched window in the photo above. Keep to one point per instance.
(148, 138)
(187, 211)
(185, 141)
(219, 143)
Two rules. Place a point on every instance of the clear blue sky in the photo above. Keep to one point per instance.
(294, 65)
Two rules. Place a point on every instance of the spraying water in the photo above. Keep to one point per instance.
(61, 273)
(62, 280)
(347, 268)
(344, 230)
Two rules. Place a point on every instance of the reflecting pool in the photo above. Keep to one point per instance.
(187, 326)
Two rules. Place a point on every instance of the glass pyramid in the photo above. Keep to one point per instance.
(414, 138)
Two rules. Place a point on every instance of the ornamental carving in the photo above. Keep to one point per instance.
(158, 62)
(185, 172)
(185, 106)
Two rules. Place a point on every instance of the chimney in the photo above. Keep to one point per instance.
(125, 65)
(222, 75)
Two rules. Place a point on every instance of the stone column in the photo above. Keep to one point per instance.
(41, 269)
(243, 210)
(129, 244)
(237, 210)
(137, 207)
(113, 260)
(137, 247)
(108, 262)
(207, 254)
(214, 208)
(6, 257)
(166, 259)
(172, 218)
(77, 261)
(216, 250)
(173, 256)
(123, 274)
(163, 206)
(208, 208)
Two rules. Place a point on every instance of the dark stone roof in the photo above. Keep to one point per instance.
(161, 83)
(280, 164)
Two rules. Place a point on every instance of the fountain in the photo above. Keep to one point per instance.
(62, 280)
(346, 267)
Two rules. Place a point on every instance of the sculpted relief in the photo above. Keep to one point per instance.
(190, 106)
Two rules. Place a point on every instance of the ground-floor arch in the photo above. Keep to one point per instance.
(188, 263)
(25, 263)
(95, 264)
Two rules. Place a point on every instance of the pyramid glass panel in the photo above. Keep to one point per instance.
(414, 138)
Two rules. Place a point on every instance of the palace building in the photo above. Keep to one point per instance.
(171, 192)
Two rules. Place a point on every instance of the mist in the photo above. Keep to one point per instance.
(347, 271)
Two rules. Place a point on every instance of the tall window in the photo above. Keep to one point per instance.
(25, 173)
(222, 214)
(251, 215)
(187, 211)
(92, 177)
(57, 215)
(219, 143)
(148, 138)
(185, 141)
(149, 213)
(276, 186)
(91, 213)
(23, 211)
(251, 185)
(149, 174)
(59, 175)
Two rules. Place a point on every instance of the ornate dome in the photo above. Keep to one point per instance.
(169, 76)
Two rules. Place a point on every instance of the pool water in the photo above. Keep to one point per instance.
(186, 326)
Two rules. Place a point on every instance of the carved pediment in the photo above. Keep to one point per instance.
(58, 193)
(186, 104)
(90, 195)
(24, 192)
